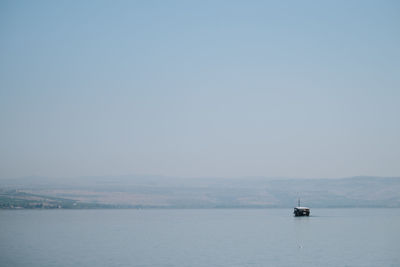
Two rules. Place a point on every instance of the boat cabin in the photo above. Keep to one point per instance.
(301, 211)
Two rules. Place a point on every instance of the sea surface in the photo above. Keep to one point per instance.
(217, 237)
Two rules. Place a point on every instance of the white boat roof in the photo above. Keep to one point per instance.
(303, 208)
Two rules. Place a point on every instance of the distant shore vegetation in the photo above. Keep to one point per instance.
(142, 192)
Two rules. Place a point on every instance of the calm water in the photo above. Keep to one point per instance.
(330, 237)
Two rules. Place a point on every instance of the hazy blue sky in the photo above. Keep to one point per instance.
(200, 88)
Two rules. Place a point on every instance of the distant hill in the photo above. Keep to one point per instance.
(172, 192)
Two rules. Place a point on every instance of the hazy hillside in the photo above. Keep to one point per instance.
(172, 192)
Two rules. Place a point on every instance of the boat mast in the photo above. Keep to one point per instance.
(298, 203)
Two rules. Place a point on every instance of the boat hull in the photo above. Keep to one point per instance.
(301, 212)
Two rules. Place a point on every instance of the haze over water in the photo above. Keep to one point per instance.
(111, 91)
(199, 89)
(219, 237)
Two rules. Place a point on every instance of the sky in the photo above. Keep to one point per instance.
(305, 89)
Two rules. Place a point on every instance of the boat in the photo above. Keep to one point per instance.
(301, 211)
